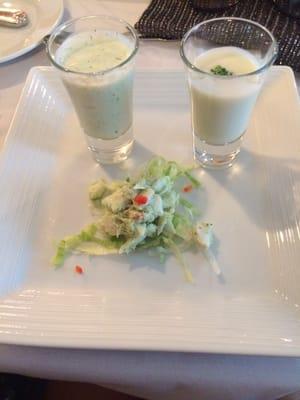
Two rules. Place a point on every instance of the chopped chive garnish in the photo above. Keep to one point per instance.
(219, 70)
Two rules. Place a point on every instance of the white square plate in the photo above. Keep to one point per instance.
(134, 302)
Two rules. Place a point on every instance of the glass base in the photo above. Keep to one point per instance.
(216, 156)
(111, 151)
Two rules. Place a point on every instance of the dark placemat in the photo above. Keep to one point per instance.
(170, 19)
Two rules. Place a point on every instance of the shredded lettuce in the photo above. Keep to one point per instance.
(177, 253)
(144, 212)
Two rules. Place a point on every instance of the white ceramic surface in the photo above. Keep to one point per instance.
(134, 302)
(44, 16)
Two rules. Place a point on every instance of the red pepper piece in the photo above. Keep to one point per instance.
(79, 270)
(187, 188)
(140, 199)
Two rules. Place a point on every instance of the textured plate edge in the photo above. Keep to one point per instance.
(215, 348)
(22, 99)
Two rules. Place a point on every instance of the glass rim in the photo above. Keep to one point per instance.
(267, 64)
(68, 23)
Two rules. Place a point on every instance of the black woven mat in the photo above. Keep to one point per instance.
(170, 19)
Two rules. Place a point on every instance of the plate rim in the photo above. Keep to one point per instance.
(27, 49)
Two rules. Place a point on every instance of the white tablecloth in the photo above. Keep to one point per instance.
(153, 375)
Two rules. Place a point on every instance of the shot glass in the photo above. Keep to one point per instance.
(94, 56)
(222, 101)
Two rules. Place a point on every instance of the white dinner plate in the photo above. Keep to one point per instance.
(133, 302)
(44, 16)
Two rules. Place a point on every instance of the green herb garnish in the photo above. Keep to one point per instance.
(219, 70)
